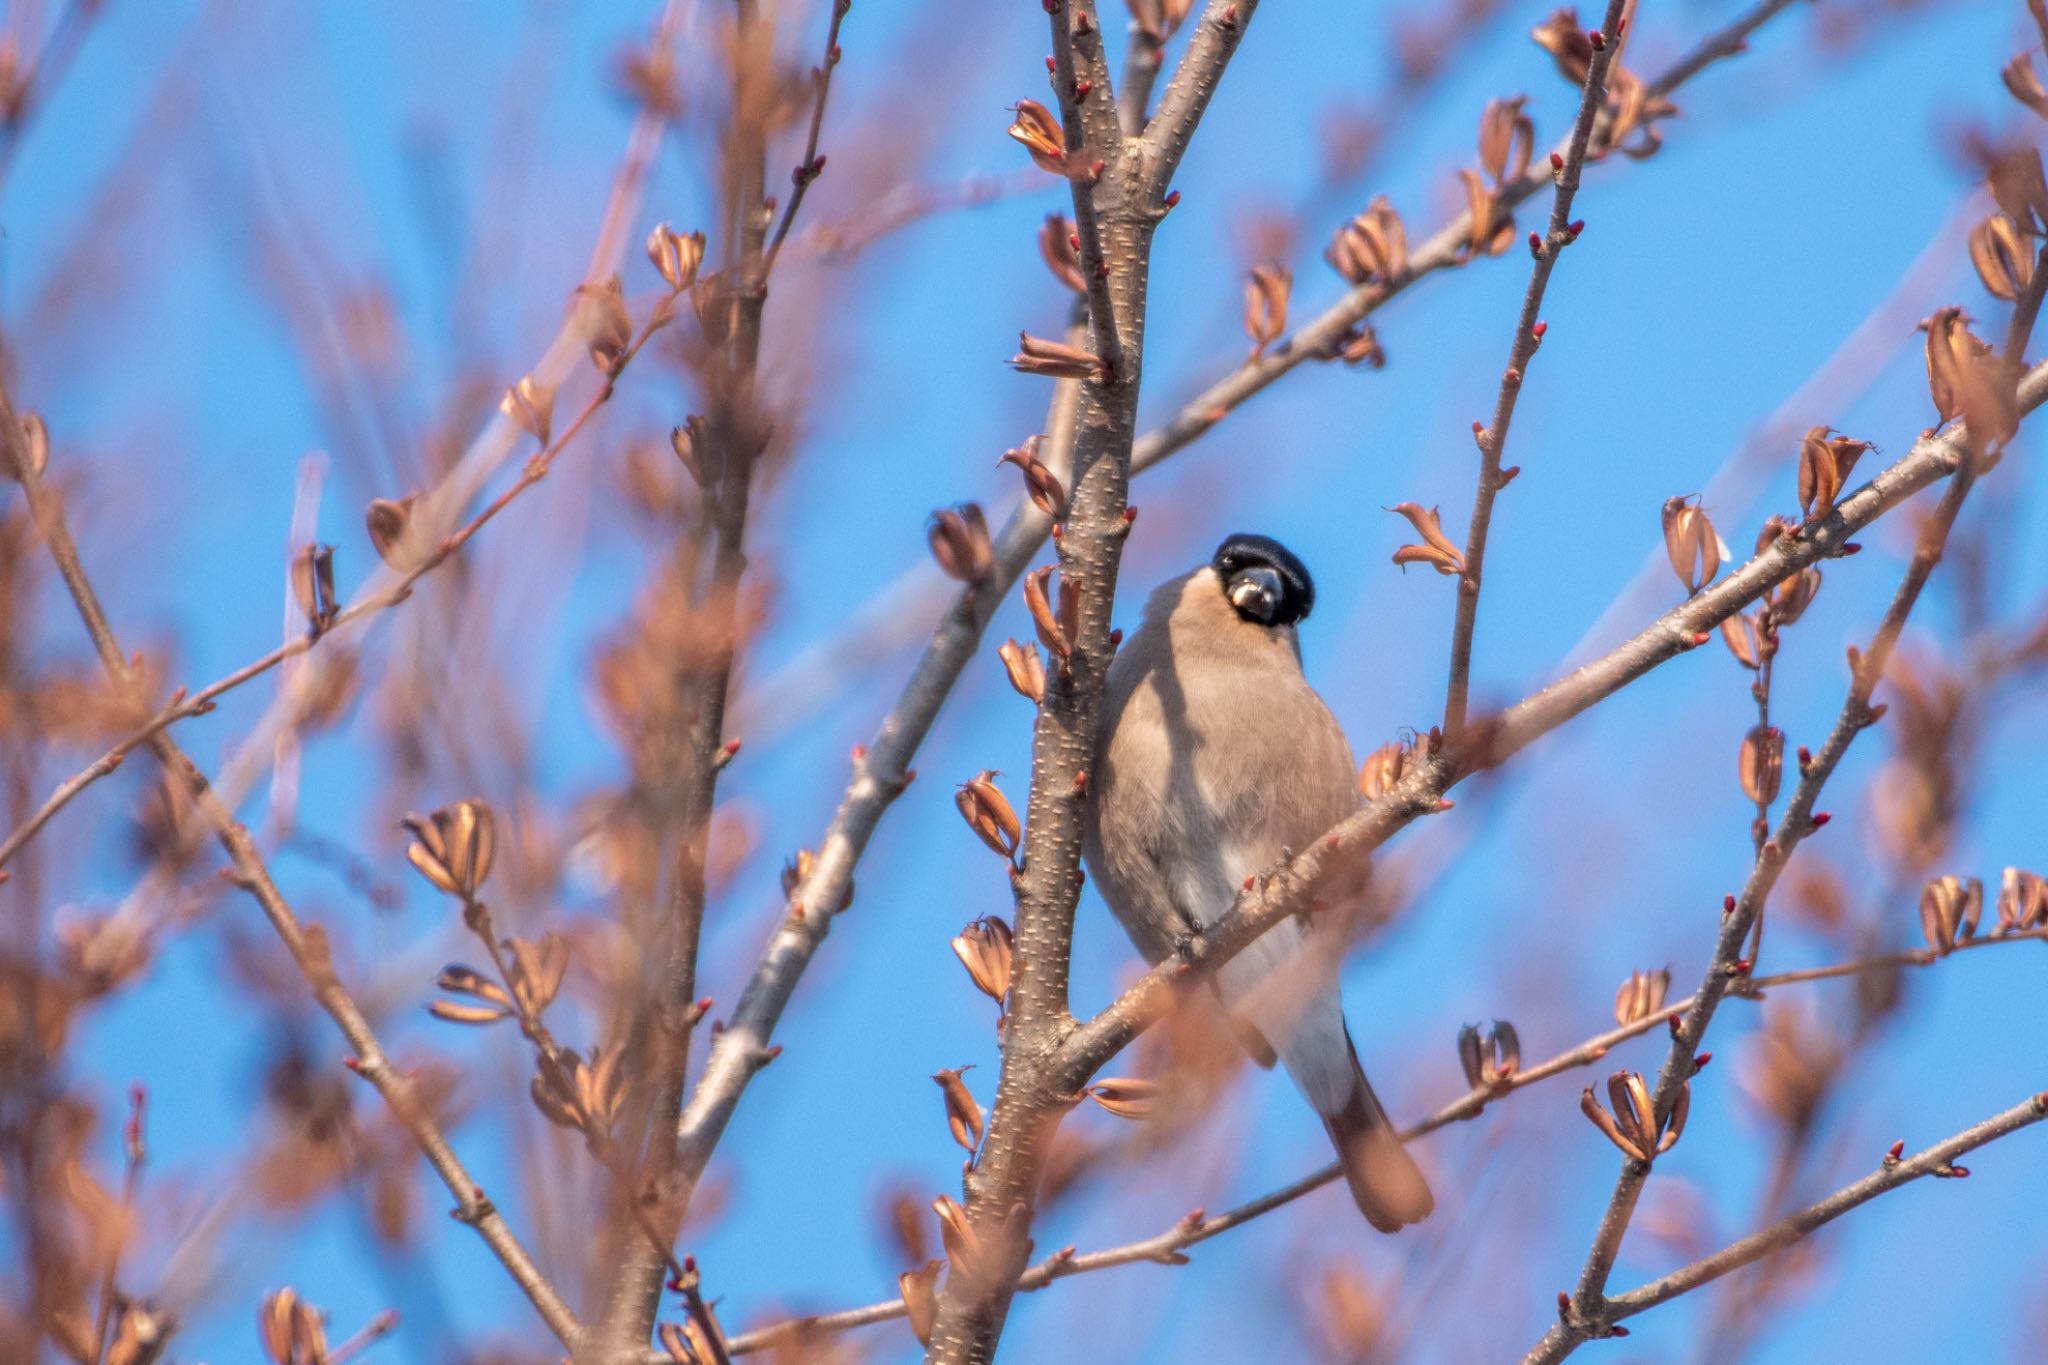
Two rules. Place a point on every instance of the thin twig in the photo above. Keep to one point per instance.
(1587, 1314)
(808, 169)
(1493, 440)
(1938, 1160)
(307, 944)
(1164, 1247)
(883, 768)
(1288, 888)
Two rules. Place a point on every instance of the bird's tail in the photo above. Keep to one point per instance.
(1385, 1182)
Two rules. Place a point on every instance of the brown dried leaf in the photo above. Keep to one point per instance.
(1372, 248)
(1738, 632)
(960, 542)
(1043, 486)
(676, 256)
(1641, 996)
(1036, 127)
(1126, 1097)
(1060, 248)
(963, 1114)
(2022, 901)
(989, 814)
(920, 1299)
(531, 407)
(1507, 139)
(1383, 768)
(2004, 257)
(1967, 380)
(1949, 910)
(1761, 763)
(1265, 305)
(1825, 460)
(1025, 668)
(452, 848)
(1437, 551)
(983, 948)
(1051, 630)
(1054, 359)
(1691, 543)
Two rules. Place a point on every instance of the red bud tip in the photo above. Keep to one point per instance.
(1699, 1063)
(1050, 65)
(354, 1064)
(1556, 162)
(1172, 198)
(773, 1051)
(1096, 168)
(818, 166)
(1230, 17)
(1672, 1020)
(1331, 843)
(1821, 817)
(1513, 376)
(1700, 637)
(860, 753)
(1959, 1172)
(1727, 905)
(1896, 1151)
(1535, 244)
(1851, 547)
(704, 1005)
(1074, 240)
(836, 54)
(1564, 1303)
(1617, 1331)
(1116, 637)
(1195, 1216)
(1478, 429)
(1539, 329)
(1248, 882)
(1081, 89)
(732, 746)
(1598, 40)
(1805, 756)
(1575, 227)
(1082, 28)
(689, 1265)
(909, 776)
(1743, 966)
(476, 1193)
(1130, 515)
(1081, 780)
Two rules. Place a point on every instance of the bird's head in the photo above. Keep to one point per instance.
(1264, 582)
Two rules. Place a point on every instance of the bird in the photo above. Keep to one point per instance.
(1215, 758)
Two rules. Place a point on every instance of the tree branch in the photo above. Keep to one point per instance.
(882, 769)
(1164, 1247)
(1494, 438)
(1216, 36)
(1938, 1160)
(1288, 889)
(307, 944)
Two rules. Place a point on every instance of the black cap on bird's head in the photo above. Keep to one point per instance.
(1265, 583)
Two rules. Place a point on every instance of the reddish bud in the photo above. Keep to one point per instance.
(1699, 1063)
(1805, 757)
(1700, 638)
(860, 753)
(1051, 66)
(1556, 162)
(1539, 329)
(1597, 39)
(1897, 1151)
(354, 1064)
(1535, 244)
(1728, 905)
(1172, 198)
(1096, 168)
(1821, 817)
(1575, 227)
(1081, 89)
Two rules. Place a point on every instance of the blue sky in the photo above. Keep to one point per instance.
(454, 157)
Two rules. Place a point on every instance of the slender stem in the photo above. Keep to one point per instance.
(808, 169)
(1493, 440)
(1165, 1246)
(883, 769)
(306, 943)
(1288, 888)
(1938, 1161)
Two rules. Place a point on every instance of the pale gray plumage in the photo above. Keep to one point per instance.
(1216, 755)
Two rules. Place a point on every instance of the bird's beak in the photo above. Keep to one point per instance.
(1255, 592)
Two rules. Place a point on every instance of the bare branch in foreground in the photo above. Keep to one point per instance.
(307, 944)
